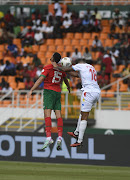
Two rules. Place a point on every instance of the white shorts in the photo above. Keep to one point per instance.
(88, 99)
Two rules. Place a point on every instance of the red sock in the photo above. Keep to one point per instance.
(48, 126)
(60, 126)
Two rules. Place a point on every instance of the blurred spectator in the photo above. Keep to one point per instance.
(115, 56)
(57, 9)
(75, 55)
(107, 61)
(3, 83)
(57, 32)
(38, 37)
(67, 14)
(85, 24)
(12, 49)
(46, 15)
(96, 45)
(117, 20)
(22, 17)
(39, 70)
(30, 34)
(32, 72)
(95, 24)
(66, 24)
(87, 55)
(19, 73)
(28, 83)
(2, 66)
(36, 61)
(9, 69)
(23, 33)
(103, 79)
(88, 14)
(9, 20)
(1, 14)
(7, 89)
(49, 31)
(97, 14)
(76, 23)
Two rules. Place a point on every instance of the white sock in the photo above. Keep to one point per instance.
(82, 127)
(76, 132)
(48, 138)
(60, 138)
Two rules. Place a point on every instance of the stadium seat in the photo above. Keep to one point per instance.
(21, 85)
(11, 79)
(69, 49)
(106, 30)
(2, 48)
(123, 88)
(83, 42)
(52, 48)
(78, 36)
(6, 103)
(90, 42)
(35, 49)
(50, 42)
(70, 36)
(48, 55)
(43, 48)
(105, 22)
(66, 42)
(103, 93)
(60, 48)
(95, 34)
(110, 93)
(103, 36)
(1, 55)
(41, 54)
(75, 42)
(86, 35)
(58, 42)
(108, 43)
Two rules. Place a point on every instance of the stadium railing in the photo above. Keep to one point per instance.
(74, 2)
(110, 99)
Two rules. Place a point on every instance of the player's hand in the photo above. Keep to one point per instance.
(29, 94)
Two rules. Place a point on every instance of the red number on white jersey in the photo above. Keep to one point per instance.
(94, 75)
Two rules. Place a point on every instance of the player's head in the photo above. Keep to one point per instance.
(56, 57)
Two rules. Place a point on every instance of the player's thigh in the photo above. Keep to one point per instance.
(57, 105)
(48, 98)
(88, 100)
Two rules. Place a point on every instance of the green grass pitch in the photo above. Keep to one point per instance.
(45, 171)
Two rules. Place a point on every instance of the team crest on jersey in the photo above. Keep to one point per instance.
(83, 99)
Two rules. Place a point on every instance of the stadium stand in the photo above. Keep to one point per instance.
(118, 37)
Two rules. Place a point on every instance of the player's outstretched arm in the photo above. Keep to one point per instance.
(73, 73)
(66, 69)
(67, 83)
(37, 83)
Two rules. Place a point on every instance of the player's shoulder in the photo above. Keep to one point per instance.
(49, 66)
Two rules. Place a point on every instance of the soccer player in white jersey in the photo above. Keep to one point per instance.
(90, 95)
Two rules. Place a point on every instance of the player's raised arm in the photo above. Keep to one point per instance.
(37, 83)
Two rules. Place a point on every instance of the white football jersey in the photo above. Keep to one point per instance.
(88, 77)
